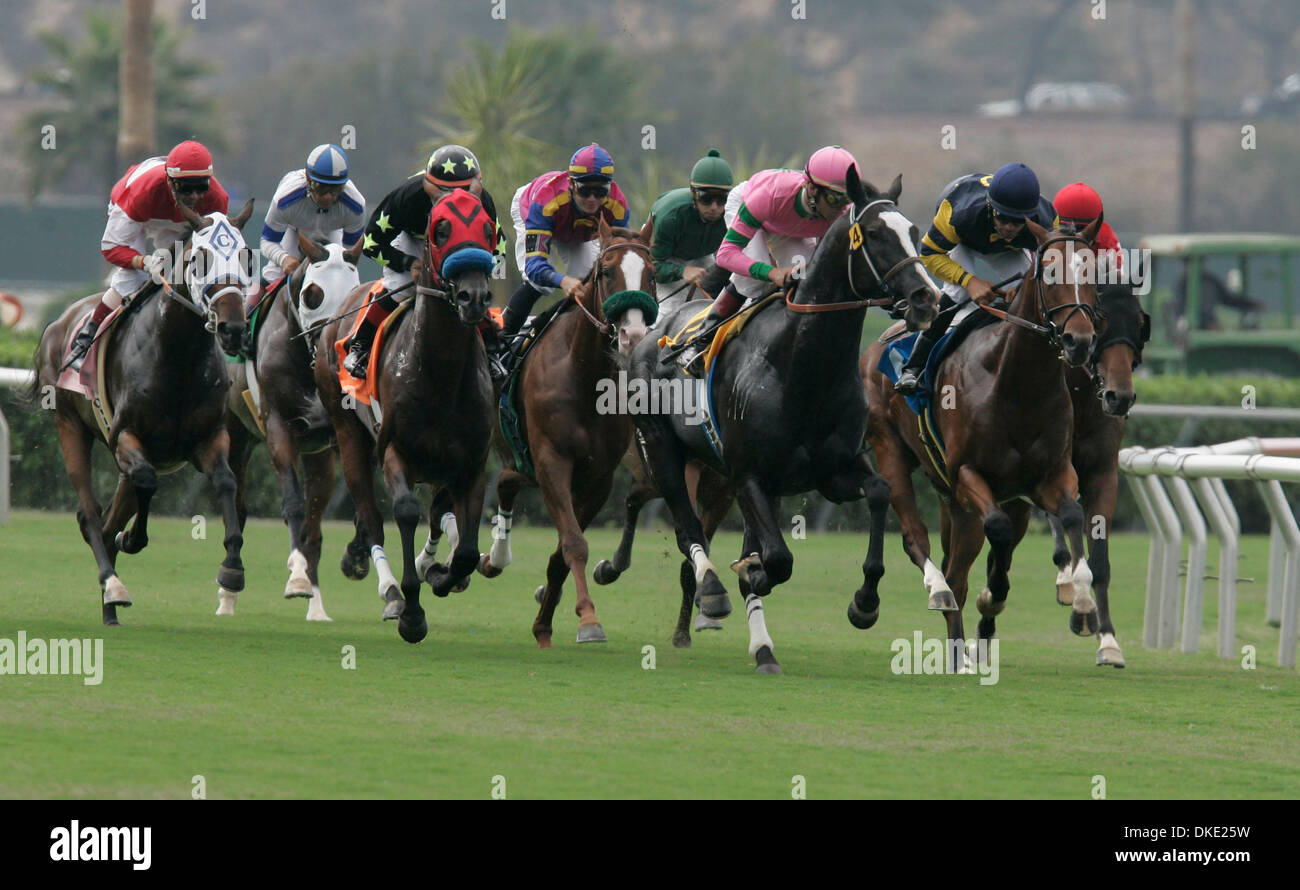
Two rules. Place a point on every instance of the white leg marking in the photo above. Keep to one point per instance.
(758, 636)
(115, 592)
(385, 573)
(1082, 579)
(499, 556)
(702, 564)
(315, 607)
(448, 526)
(934, 580)
(298, 583)
(427, 556)
(226, 601)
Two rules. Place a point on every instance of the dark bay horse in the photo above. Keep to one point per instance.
(166, 383)
(788, 405)
(436, 398)
(1008, 433)
(289, 413)
(1102, 395)
(575, 444)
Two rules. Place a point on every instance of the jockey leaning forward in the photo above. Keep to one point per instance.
(557, 213)
(689, 225)
(774, 220)
(395, 235)
(145, 206)
(317, 201)
(978, 215)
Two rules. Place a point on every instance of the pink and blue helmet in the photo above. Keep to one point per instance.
(591, 163)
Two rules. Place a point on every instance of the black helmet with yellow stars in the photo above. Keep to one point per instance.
(452, 166)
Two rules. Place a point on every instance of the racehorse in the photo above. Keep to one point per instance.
(787, 407)
(436, 399)
(1007, 434)
(575, 445)
(289, 413)
(166, 384)
(1102, 395)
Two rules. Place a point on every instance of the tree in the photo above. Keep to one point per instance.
(84, 79)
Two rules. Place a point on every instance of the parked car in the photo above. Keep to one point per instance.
(1061, 96)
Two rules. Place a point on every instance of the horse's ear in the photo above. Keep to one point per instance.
(1040, 234)
(604, 230)
(895, 188)
(647, 231)
(310, 249)
(854, 187)
(1090, 233)
(244, 215)
(353, 253)
(197, 223)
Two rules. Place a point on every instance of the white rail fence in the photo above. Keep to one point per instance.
(8, 377)
(1173, 487)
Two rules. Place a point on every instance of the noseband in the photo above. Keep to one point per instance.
(1051, 330)
(604, 325)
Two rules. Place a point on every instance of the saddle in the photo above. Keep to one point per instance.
(363, 391)
(727, 330)
(509, 413)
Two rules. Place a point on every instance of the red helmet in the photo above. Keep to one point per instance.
(189, 159)
(1077, 203)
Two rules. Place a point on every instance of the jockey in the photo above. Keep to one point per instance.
(1077, 205)
(144, 206)
(558, 211)
(317, 201)
(688, 225)
(777, 216)
(978, 215)
(395, 235)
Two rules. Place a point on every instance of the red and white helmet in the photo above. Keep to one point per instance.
(829, 167)
(189, 159)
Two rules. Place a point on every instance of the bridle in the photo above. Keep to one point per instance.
(858, 245)
(1052, 330)
(604, 325)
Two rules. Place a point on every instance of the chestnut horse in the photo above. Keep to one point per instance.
(290, 416)
(1007, 433)
(436, 400)
(1102, 395)
(575, 445)
(166, 382)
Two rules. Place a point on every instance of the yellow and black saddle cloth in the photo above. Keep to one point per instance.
(724, 333)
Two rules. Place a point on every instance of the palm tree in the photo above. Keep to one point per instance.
(85, 80)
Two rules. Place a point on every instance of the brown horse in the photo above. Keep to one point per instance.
(436, 399)
(1102, 395)
(166, 384)
(1008, 432)
(290, 416)
(574, 444)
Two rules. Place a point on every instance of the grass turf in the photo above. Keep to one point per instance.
(261, 706)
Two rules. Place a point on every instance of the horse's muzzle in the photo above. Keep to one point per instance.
(1077, 349)
(472, 305)
(1116, 403)
(231, 336)
(922, 308)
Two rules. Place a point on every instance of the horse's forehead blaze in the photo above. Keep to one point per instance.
(633, 266)
(902, 227)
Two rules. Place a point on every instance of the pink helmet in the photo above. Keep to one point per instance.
(829, 167)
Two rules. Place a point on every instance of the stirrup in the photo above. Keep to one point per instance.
(909, 383)
(356, 360)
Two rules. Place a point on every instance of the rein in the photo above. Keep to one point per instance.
(857, 244)
(603, 325)
(1050, 331)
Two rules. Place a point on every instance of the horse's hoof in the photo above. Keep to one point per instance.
(120, 542)
(315, 610)
(115, 592)
(943, 601)
(226, 600)
(758, 583)
(413, 629)
(539, 593)
(986, 606)
(356, 569)
(231, 579)
(712, 598)
(682, 641)
(463, 585)
(860, 619)
(605, 573)
(1110, 656)
(297, 587)
(766, 661)
(1084, 624)
(703, 622)
(1064, 589)
(394, 605)
(591, 633)
(485, 567)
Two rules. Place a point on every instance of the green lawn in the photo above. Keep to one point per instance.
(260, 705)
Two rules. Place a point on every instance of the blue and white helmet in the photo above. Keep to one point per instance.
(327, 164)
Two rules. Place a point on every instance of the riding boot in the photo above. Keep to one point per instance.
(358, 357)
(692, 358)
(909, 381)
(516, 311)
(86, 336)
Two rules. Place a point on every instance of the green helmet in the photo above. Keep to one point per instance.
(711, 172)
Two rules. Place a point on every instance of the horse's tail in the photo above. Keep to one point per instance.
(29, 395)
